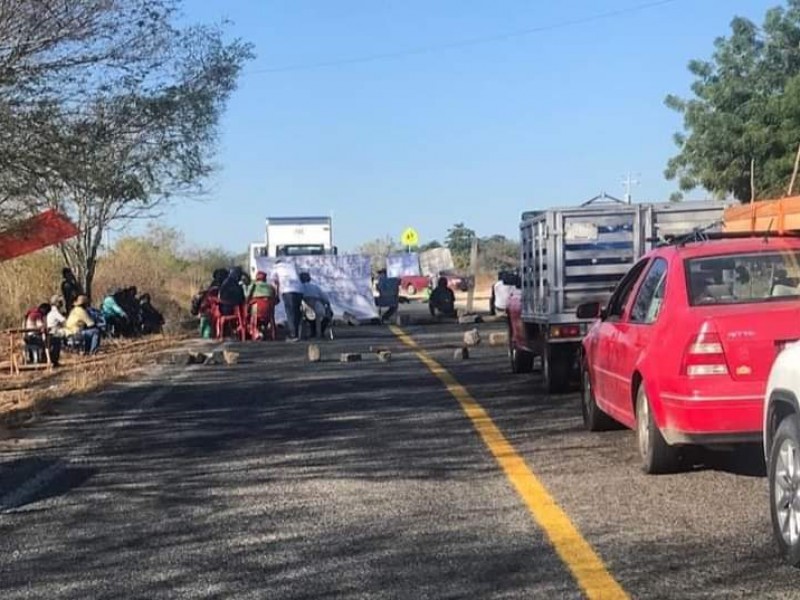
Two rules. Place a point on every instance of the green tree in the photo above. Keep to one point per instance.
(745, 108)
(497, 253)
(459, 240)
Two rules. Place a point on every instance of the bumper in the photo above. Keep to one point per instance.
(710, 420)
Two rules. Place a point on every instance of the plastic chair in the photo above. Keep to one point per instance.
(220, 320)
(262, 312)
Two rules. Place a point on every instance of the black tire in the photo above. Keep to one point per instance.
(521, 361)
(594, 419)
(786, 437)
(410, 289)
(657, 456)
(556, 366)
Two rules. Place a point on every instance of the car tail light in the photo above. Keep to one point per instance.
(705, 356)
(565, 331)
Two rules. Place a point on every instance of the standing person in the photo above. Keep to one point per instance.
(70, 288)
(80, 324)
(291, 291)
(443, 300)
(388, 294)
(501, 290)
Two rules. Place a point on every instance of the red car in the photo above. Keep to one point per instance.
(683, 350)
(412, 284)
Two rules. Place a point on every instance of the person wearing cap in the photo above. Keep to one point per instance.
(80, 324)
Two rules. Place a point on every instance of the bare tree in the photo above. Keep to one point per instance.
(135, 142)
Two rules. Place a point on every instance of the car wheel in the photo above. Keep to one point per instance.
(657, 456)
(411, 290)
(594, 419)
(784, 488)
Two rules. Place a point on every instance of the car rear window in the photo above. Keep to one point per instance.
(743, 278)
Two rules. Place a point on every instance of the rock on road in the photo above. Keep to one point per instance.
(279, 478)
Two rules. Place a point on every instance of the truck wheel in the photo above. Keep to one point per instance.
(594, 419)
(521, 361)
(657, 456)
(784, 478)
(556, 367)
(411, 290)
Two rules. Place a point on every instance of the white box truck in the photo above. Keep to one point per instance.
(294, 236)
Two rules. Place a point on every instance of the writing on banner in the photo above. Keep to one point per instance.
(401, 265)
(346, 279)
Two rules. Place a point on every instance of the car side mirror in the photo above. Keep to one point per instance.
(589, 310)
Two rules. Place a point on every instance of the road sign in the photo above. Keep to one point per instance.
(410, 237)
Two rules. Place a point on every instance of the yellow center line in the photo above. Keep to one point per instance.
(586, 566)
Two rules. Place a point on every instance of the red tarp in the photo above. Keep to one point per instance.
(41, 231)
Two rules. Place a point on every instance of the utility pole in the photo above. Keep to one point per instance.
(628, 184)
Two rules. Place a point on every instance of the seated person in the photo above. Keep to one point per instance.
(319, 304)
(152, 320)
(82, 325)
(115, 316)
(262, 297)
(443, 300)
(35, 325)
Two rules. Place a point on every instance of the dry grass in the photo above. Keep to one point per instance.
(24, 397)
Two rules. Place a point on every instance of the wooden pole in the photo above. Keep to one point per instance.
(752, 180)
(473, 271)
(794, 172)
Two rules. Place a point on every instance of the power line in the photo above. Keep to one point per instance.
(499, 37)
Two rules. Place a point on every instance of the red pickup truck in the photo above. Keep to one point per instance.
(412, 284)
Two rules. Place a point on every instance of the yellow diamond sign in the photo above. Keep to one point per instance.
(410, 237)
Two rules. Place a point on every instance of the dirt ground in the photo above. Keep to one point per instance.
(23, 397)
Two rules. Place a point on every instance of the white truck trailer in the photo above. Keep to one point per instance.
(294, 236)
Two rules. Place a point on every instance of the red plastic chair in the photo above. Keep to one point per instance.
(221, 321)
(262, 312)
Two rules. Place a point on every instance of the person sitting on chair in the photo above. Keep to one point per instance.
(33, 337)
(319, 304)
(443, 300)
(262, 297)
(80, 324)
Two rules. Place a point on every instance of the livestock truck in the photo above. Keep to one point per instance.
(294, 236)
(569, 256)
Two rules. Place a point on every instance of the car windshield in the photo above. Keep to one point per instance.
(743, 278)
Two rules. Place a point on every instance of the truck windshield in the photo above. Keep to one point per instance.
(300, 250)
(743, 278)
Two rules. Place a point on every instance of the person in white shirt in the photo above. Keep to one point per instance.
(501, 291)
(55, 320)
(290, 288)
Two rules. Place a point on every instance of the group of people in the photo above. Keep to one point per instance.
(70, 319)
(232, 290)
(441, 300)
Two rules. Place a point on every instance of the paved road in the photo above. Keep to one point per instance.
(280, 479)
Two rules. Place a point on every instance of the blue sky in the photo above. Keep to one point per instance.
(476, 133)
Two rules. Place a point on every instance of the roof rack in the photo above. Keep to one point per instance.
(703, 235)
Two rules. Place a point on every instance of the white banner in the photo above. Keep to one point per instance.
(432, 262)
(398, 265)
(346, 279)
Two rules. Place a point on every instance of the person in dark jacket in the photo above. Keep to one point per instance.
(70, 288)
(443, 300)
(152, 320)
(231, 293)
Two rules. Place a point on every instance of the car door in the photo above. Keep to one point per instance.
(634, 333)
(606, 332)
